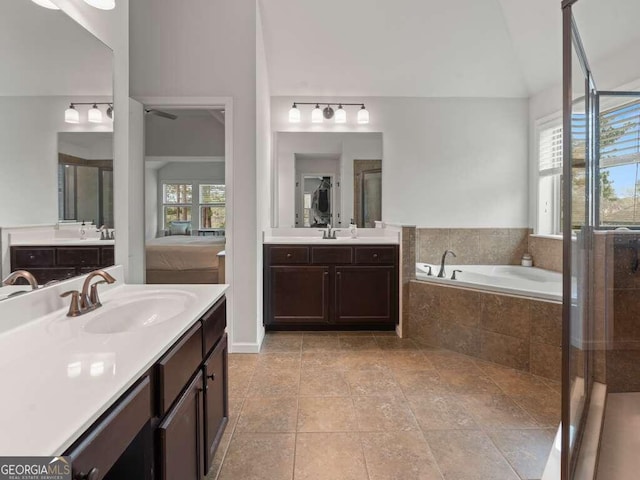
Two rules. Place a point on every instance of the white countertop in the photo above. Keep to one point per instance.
(287, 240)
(60, 242)
(57, 379)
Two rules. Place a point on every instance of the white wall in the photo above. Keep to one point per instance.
(189, 135)
(29, 156)
(264, 169)
(347, 146)
(214, 57)
(151, 197)
(447, 162)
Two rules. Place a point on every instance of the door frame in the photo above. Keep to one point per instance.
(299, 200)
(205, 103)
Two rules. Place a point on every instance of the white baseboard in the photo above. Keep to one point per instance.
(244, 347)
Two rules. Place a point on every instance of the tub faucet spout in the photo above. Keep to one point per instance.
(444, 258)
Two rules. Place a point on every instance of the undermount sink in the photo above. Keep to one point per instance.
(137, 311)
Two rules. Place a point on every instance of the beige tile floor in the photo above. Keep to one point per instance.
(370, 406)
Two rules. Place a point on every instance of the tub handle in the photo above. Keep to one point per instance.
(453, 277)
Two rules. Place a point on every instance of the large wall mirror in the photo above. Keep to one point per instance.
(327, 179)
(56, 162)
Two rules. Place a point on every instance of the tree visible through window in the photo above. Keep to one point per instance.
(212, 206)
(177, 199)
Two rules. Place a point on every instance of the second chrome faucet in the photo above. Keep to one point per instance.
(87, 300)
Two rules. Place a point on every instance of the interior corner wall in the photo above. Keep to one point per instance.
(264, 170)
(447, 162)
(29, 141)
(214, 57)
(151, 204)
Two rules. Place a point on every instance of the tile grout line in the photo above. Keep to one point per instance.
(295, 433)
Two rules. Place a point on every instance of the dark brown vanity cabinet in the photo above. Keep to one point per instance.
(330, 286)
(172, 421)
(49, 263)
(181, 436)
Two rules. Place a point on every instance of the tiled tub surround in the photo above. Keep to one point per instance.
(546, 252)
(517, 332)
(358, 406)
(473, 246)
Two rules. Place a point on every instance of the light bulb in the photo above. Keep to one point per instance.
(102, 4)
(316, 115)
(94, 115)
(294, 114)
(71, 115)
(46, 4)
(341, 115)
(363, 115)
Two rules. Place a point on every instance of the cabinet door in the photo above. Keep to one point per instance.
(365, 295)
(180, 436)
(298, 295)
(216, 401)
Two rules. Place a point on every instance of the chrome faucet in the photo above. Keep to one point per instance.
(329, 233)
(444, 257)
(87, 300)
(11, 279)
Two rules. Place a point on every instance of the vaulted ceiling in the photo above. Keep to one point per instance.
(431, 48)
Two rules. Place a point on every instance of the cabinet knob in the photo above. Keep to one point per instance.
(289, 255)
(212, 376)
(375, 255)
(90, 475)
(32, 257)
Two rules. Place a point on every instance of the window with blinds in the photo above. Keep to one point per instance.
(550, 150)
(619, 166)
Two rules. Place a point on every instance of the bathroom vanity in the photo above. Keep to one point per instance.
(134, 389)
(63, 260)
(349, 284)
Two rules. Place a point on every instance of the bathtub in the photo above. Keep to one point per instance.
(528, 282)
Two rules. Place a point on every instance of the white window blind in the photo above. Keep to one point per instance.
(620, 136)
(550, 150)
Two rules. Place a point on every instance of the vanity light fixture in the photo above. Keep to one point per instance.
(46, 4)
(318, 114)
(294, 114)
(363, 115)
(102, 4)
(71, 115)
(94, 115)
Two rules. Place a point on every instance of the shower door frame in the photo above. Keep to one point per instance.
(573, 44)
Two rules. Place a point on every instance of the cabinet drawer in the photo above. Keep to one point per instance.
(326, 255)
(376, 255)
(110, 436)
(289, 255)
(107, 257)
(78, 257)
(177, 366)
(213, 324)
(33, 257)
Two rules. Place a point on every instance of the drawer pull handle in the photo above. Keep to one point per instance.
(211, 376)
(91, 475)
